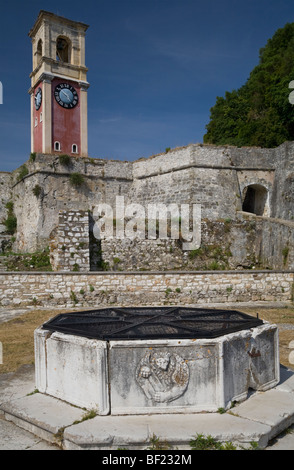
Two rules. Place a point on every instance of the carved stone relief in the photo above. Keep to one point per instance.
(163, 376)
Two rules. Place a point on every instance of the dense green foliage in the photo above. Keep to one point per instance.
(259, 113)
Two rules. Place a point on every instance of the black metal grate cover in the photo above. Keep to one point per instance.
(151, 323)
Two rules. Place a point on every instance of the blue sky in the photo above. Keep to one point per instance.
(155, 68)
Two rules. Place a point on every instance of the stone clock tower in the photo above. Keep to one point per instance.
(58, 86)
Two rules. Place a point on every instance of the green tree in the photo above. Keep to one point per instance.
(259, 113)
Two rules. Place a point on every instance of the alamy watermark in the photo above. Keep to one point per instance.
(291, 344)
(291, 96)
(1, 93)
(291, 355)
(156, 221)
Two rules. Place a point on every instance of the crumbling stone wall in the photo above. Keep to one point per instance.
(225, 244)
(69, 244)
(251, 242)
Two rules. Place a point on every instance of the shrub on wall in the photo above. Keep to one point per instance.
(23, 171)
(37, 190)
(11, 224)
(11, 221)
(76, 179)
(64, 160)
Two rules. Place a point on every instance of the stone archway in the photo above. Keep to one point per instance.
(255, 199)
(63, 49)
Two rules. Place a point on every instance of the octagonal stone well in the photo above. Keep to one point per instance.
(155, 374)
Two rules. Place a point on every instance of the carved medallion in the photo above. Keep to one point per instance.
(163, 376)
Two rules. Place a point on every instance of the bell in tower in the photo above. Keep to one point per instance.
(58, 86)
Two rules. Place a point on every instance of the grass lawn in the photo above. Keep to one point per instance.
(17, 335)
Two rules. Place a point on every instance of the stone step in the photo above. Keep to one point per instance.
(260, 418)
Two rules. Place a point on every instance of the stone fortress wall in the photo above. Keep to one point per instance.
(216, 177)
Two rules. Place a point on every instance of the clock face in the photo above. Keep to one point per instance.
(66, 96)
(38, 99)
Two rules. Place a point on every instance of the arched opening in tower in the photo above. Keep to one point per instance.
(62, 49)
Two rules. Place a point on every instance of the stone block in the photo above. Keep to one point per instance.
(73, 369)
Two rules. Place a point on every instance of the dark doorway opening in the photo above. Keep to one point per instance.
(254, 199)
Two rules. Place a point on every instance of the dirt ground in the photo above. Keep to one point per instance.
(17, 335)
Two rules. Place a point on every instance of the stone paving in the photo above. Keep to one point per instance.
(9, 314)
(13, 437)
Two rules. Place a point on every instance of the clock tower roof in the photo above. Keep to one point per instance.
(58, 48)
(43, 14)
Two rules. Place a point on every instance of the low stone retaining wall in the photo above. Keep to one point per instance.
(93, 289)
